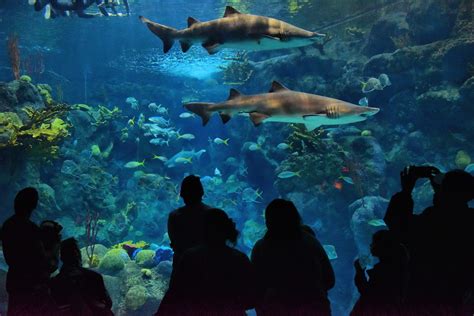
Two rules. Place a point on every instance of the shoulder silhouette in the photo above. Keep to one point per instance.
(76, 290)
(293, 271)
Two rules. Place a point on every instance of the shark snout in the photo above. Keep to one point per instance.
(369, 111)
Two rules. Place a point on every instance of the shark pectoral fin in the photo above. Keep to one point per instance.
(230, 11)
(233, 93)
(276, 87)
(257, 118)
(185, 46)
(211, 47)
(225, 117)
(192, 21)
(310, 126)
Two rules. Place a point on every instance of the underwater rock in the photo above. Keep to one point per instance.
(136, 297)
(457, 59)
(82, 122)
(114, 261)
(99, 251)
(434, 103)
(114, 287)
(165, 268)
(47, 200)
(422, 14)
(467, 90)
(389, 33)
(18, 93)
(145, 258)
(364, 210)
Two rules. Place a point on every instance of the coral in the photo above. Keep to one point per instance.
(136, 297)
(25, 78)
(147, 273)
(113, 261)
(366, 133)
(104, 116)
(45, 90)
(462, 159)
(145, 258)
(10, 123)
(14, 53)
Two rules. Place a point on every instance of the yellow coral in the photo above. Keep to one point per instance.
(53, 131)
(10, 123)
(462, 159)
(140, 244)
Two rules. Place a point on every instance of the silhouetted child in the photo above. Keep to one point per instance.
(214, 278)
(384, 292)
(28, 269)
(293, 270)
(77, 290)
(51, 239)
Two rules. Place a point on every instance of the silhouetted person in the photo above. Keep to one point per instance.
(293, 270)
(77, 290)
(440, 241)
(28, 272)
(51, 239)
(214, 278)
(384, 292)
(185, 225)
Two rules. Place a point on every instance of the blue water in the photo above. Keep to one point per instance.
(345, 173)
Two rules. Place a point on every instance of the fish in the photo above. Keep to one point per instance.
(371, 84)
(160, 121)
(330, 251)
(217, 172)
(347, 179)
(172, 162)
(281, 104)
(95, 150)
(134, 164)
(133, 102)
(184, 160)
(131, 121)
(161, 158)
(469, 168)
(186, 136)
(235, 30)
(252, 196)
(377, 222)
(338, 185)
(159, 142)
(254, 147)
(220, 141)
(288, 174)
(283, 146)
(186, 115)
(364, 101)
(384, 80)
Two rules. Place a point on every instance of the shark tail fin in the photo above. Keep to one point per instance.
(201, 109)
(165, 33)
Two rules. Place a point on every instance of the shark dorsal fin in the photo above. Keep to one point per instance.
(276, 87)
(233, 93)
(230, 11)
(192, 21)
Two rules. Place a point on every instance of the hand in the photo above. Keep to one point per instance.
(357, 266)
(408, 179)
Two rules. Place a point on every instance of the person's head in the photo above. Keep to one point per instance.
(457, 188)
(26, 201)
(219, 228)
(384, 244)
(70, 252)
(50, 233)
(191, 190)
(282, 217)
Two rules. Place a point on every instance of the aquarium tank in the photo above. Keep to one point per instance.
(105, 119)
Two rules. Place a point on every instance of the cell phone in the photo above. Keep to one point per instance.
(422, 171)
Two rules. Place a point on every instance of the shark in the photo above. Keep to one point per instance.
(235, 30)
(281, 104)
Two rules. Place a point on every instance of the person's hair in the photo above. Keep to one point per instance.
(191, 189)
(26, 201)
(384, 244)
(282, 217)
(458, 185)
(219, 228)
(70, 252)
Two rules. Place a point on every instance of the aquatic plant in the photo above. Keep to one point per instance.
(92, 228)
(14, 54)
(238, 71)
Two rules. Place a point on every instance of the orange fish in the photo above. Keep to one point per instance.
(338, 185)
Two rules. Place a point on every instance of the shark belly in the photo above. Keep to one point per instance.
(262, 44)
(314, 121)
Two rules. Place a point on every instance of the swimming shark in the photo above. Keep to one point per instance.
(237, 31)
(281, 104)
